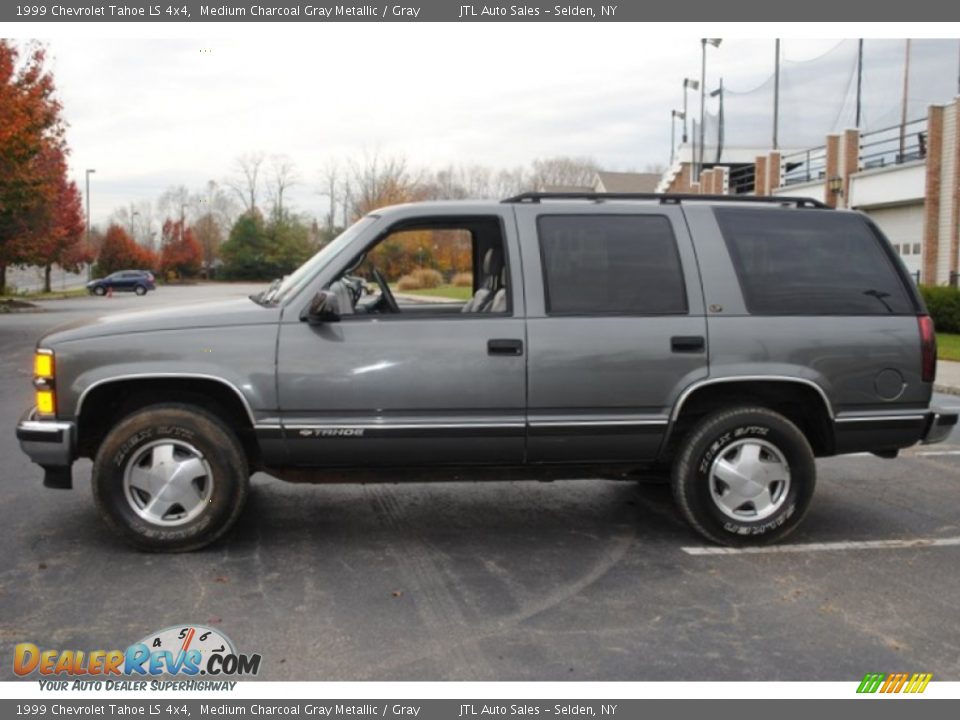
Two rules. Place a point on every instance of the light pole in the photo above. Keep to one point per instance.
(776, 94)
(688, 84)
(133, 214)
(715, 42)
(674, 114)
(89, 172)
(719, 93)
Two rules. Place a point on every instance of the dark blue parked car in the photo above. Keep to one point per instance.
(138, 281)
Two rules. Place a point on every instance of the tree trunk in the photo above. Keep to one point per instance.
(46, 279)
(3, 279)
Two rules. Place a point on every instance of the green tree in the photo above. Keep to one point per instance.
(288, 245)
(263, 251)
(244, 252)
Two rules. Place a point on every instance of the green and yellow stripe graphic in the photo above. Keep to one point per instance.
(894, 682)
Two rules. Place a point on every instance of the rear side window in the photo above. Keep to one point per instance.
(809, 262)
(611, 265)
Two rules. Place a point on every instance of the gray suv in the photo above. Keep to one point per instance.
(728, 341)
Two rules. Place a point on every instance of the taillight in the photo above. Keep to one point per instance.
(928, 349)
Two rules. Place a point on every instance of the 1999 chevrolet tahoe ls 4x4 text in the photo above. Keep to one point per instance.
(731, 342)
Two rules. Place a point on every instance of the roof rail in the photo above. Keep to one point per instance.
(667, 198)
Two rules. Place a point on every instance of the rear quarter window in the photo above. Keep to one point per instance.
(611, 265)
(811, 262)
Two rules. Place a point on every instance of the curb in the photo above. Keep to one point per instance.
(948, 389)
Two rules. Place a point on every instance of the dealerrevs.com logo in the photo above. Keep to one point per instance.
(183, 650)
(888, 683)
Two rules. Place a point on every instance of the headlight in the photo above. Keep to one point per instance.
(44, 371)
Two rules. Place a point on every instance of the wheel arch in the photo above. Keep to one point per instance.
(802, 401)
(103, 403)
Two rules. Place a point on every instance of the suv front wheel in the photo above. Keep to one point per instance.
(744, 476)
(170, 478)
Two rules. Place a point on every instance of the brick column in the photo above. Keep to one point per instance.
(851, 160)
(773, 171)
(833, 169)
(710, 182)
(931, 206)
(760, 175)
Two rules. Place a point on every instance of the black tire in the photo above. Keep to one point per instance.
(140, 290)
(702, 449)
(179, 423)
(100, 290)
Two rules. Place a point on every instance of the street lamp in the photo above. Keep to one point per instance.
(89, 172)
(714, 42)
(674, 114)
(688, 84)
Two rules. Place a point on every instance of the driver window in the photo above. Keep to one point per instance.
(432, 268)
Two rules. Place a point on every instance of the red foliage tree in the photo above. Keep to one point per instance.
(59, 238)
(32, 170)
(181, 253)
(120, 252)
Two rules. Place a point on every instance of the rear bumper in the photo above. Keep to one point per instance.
(940, 423)
(50, 444)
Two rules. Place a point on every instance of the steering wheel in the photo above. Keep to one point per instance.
(388, 299)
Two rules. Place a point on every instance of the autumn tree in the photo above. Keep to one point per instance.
(180, 252)
(59, 240)
(31, 138)
(120, 252)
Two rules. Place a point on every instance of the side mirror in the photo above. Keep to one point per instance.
(323, 308)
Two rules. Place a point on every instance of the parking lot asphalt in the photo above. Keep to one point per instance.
(579, 580)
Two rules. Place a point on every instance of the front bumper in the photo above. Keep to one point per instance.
(50, 444)
(940, 423)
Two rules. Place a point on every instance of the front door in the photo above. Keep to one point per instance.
(417, 378)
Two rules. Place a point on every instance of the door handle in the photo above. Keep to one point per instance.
(504, 347)
(688, 343)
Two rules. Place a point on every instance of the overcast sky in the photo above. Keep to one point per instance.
(148, 114)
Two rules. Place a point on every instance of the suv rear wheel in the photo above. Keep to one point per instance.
(744, 476)
(170, 478)
(140, 290)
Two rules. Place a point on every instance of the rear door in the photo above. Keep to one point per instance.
(615, 327)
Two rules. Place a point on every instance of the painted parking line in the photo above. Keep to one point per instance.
(827, 547)
(906, 454)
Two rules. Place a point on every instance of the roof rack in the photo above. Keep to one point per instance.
(667, 198)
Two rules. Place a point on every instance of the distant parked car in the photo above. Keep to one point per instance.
(138, 281)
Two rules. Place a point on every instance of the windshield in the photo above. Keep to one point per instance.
(279, 290)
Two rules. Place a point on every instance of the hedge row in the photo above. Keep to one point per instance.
(944, 306)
